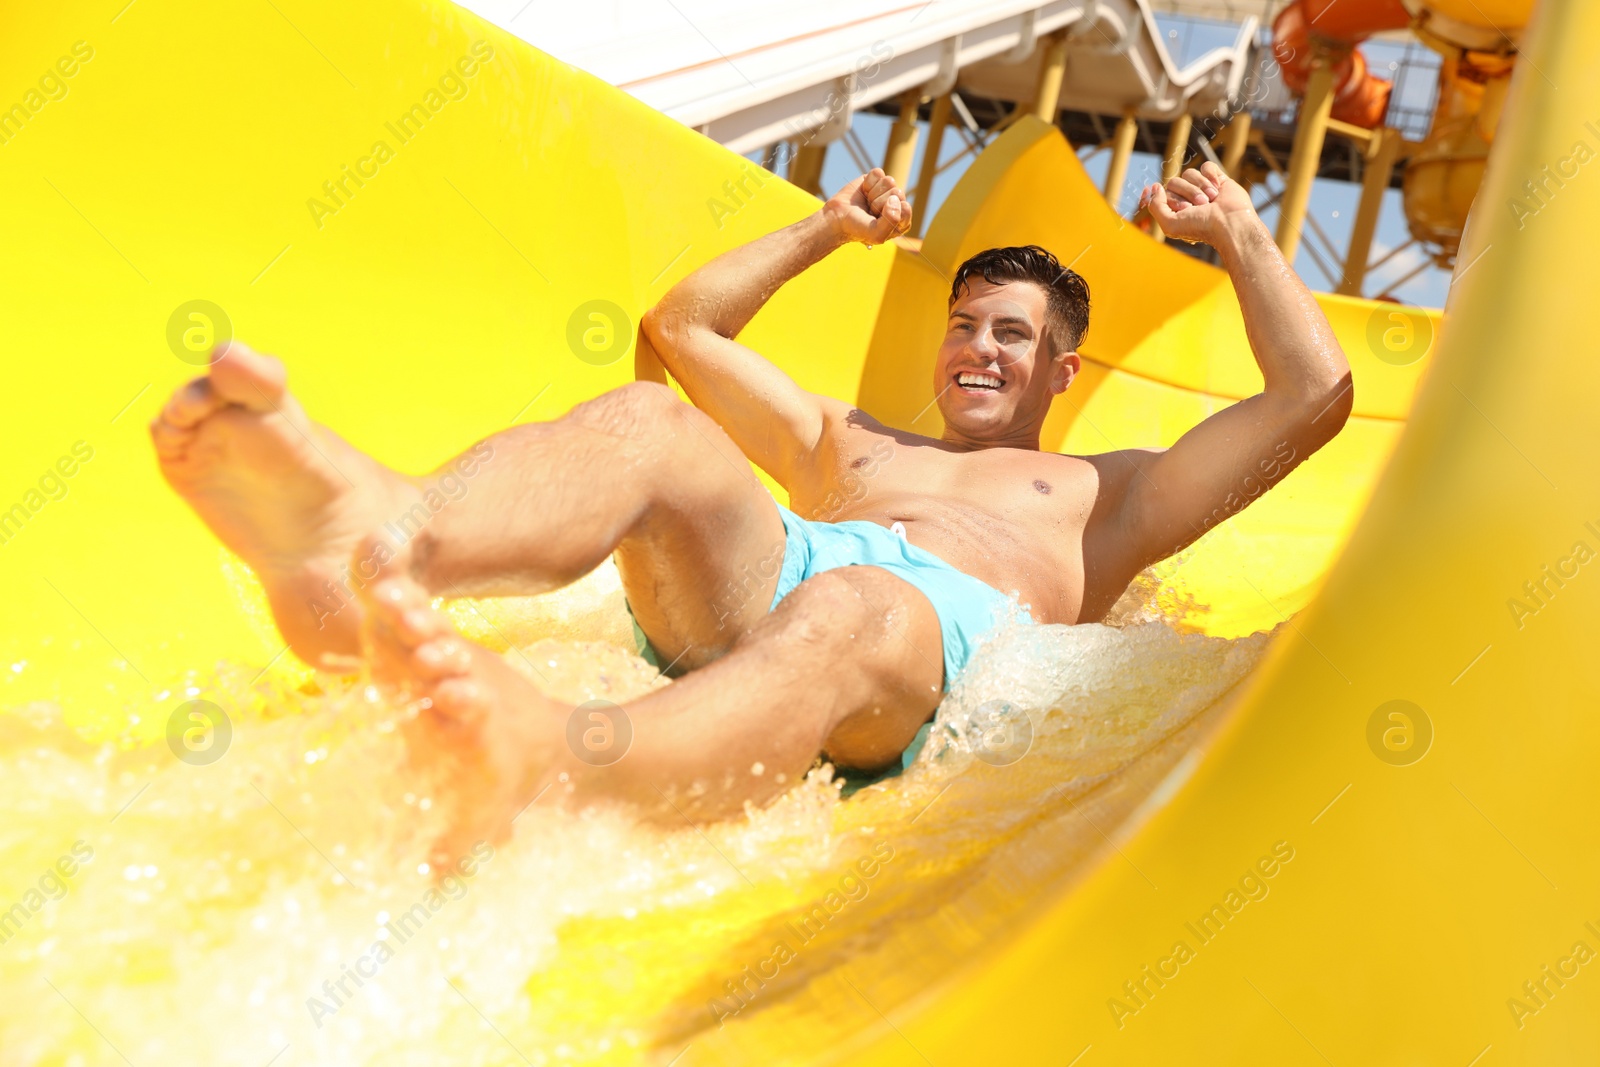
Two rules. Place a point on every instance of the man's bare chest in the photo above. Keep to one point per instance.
(870, 472)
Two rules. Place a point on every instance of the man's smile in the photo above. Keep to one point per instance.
(977, 383)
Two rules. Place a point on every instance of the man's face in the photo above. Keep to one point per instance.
(994, 377)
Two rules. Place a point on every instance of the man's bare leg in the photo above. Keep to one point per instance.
(850, 664)
(634, 470)
(637, 474)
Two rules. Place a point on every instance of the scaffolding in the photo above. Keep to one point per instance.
(1266, 143)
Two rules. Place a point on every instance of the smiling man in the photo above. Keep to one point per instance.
(832, 626)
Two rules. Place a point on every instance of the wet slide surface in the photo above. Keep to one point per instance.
(422, 216)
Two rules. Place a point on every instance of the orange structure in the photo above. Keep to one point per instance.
(1331, 29)
(1442, 173)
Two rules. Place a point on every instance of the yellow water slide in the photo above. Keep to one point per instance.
(1378, 847)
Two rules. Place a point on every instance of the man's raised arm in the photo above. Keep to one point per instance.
(1225, 462)
(692, 329)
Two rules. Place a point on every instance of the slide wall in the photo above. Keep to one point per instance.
(430, 221)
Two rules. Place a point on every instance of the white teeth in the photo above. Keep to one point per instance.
(969, 378)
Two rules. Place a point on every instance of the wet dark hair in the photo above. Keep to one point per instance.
(1066, 293)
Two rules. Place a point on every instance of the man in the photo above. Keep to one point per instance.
(848, 618)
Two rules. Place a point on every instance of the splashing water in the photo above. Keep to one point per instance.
(272, 906)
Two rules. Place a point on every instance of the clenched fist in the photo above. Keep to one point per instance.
(1197, 205)
(872, 209)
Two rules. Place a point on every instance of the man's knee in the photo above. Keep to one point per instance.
(876, 631)
(832, 607)
(638, 410)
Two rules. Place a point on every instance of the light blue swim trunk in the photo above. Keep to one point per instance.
(967, 608)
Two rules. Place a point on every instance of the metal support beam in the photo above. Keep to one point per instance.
(937, 121)
(805, 170)
(1311, 130)
(1121, 151)
(1235, 140)
(1177, 146)
(1052, 69)
(1382, 152)
(1359, 134)
(1177, 151)
(902, 147)
(858, 150)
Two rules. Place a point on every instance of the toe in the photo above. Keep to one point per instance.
(171, 443)
(401, 608)
(247, 378)
(459, 697)
(189, 405)
(419, 625)
(445, 657)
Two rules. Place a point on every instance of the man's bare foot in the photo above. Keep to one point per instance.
(288, 496)
(498, 740)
